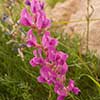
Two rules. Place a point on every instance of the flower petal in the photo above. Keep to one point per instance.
(31, 39)
(41, 79)
(26, 19)
(60, 97)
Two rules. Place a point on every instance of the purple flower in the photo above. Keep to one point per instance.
(76, 90)
(47, 75)
(31, 39)
(51, 54)
(71, 87)
(60, 89)
(63, 69)
(41, 79)
(26, 18)
(41, 20)
(36, 61)
(38, 52)
(35, 53)
(36, 6)
(61, 58)
(49, 42)
(60, 97)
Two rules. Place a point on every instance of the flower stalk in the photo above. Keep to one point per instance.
(53, 66)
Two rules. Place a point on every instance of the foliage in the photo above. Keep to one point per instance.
(18, 78)
(53, 2)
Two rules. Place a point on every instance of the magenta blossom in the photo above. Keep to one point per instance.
(41, 20)
(31, 39)
(62, 69)
(37, 53)
(26, 18)
(36, 6)
(61, 58)
(60, 89)
(47, 75)
(71, 87)
(51, 54)
(38, 59)
(48, 41)
(60, 97)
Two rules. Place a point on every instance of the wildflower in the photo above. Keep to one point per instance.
(41, 20)
(51, 54)
(61, 90)
(71, 87)
(49, 42)
(52, 63)
(26, 18)
(47, 75)
(60, 98)
(36, 6)
(31, 39)
(61, 58)
(37, 59)
(63, 69)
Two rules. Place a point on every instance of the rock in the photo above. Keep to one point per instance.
(63, 11)
(74, 13)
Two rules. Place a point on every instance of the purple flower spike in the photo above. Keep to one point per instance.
(52, 63)
(26, 19)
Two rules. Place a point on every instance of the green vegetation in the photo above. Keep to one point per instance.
(53, 2)
(18, 78)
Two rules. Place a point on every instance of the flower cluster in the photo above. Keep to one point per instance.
(53, 66)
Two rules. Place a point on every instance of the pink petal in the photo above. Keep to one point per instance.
(25, 19)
